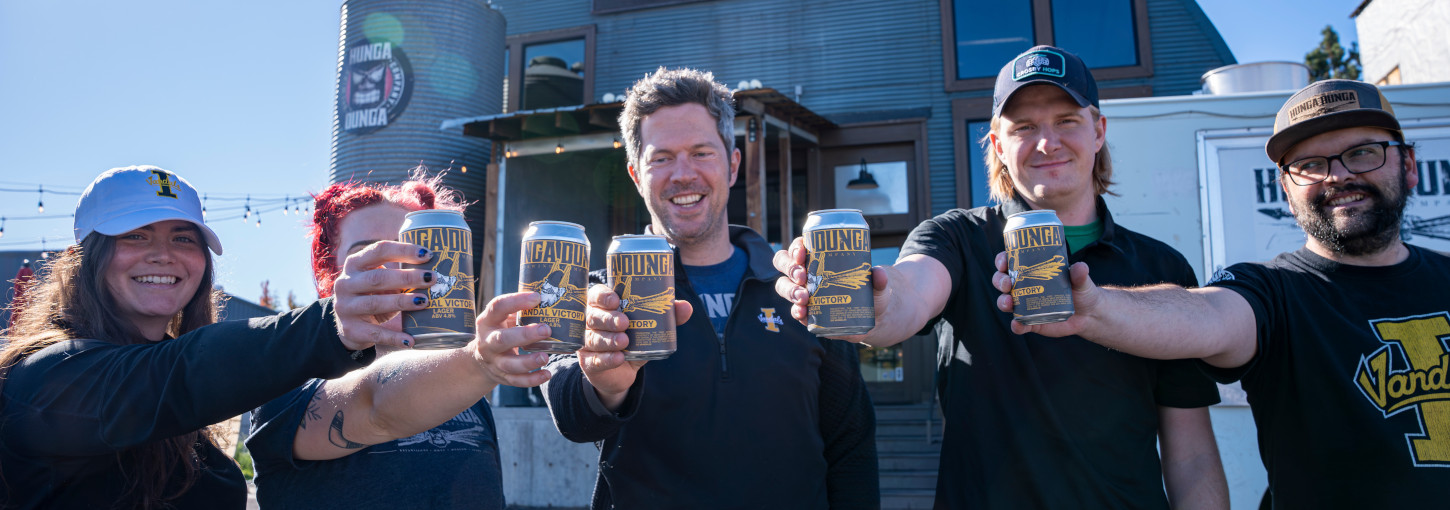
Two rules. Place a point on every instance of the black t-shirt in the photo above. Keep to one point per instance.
(1349, 386)
(1042, 422)
(453, 465)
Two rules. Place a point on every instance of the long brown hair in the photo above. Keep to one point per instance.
(70, 300)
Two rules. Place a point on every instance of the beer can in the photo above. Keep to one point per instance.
(1037, 262)
(448, 321)
(641, 271)
(555, 264)
(838, 274)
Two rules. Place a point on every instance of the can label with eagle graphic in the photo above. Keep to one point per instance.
(447, 323)
(1037, 262)
(838, 274)
(641, 270)
(555, 264)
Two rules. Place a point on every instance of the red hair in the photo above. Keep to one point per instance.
(338, 200)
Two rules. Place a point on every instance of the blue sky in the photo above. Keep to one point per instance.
(237, 98)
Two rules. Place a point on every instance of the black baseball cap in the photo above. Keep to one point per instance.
(1326, 106)
(1045, 64)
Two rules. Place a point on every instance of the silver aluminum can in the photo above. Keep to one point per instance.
(838, 274)
(555, 264)
(641, 271)
(448, 321)
(1037, 261)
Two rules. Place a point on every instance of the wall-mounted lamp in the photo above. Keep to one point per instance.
(559, 149)
(617, 144)
(864, 180)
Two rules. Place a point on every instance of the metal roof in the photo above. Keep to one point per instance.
(604, 117)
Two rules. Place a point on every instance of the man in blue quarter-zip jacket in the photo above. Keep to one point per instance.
(751, 411)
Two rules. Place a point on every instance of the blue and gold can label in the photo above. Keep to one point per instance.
(448, 321)
(1037, 262)
(838, 274)
(555, 264)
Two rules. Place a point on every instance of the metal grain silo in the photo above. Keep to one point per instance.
(403, 67)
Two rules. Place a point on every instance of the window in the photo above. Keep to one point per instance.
(971, 119)
(980, 36)
(550, 69)
(984, 43)
(1101, 32)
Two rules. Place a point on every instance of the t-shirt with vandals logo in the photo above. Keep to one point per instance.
(716, 284)
(1349, 386)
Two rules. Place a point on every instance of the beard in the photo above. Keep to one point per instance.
(1363, 233)
(684, 235)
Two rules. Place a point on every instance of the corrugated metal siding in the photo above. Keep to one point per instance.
(847, 55)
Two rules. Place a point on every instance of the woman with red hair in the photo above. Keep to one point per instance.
(413, 429)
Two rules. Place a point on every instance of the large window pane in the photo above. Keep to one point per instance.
(989, 34)
(553, 74)
(884, 187)
(976, 130)
(1100, 31)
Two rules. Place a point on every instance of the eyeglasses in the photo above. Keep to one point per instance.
(1357, 160)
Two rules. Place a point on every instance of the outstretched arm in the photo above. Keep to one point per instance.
(907, 294)
(408, 392)
(1162, 321)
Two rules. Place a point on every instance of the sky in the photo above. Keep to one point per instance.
(236, 97)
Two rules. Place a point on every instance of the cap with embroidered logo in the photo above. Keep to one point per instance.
(1326, 106)
(1045, 64)
(127, 198)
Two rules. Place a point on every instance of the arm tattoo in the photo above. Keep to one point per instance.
(387, 373)
(334, 435)
(313, 407)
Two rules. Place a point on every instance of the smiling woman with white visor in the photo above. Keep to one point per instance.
(114, 369)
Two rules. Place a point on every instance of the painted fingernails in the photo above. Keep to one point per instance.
(407, 343)
(427, 277)
(422, 253)
(419, 300)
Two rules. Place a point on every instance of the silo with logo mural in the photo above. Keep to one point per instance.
(404, 66)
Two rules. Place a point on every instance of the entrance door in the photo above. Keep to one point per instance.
(903, 373)
(880, 170)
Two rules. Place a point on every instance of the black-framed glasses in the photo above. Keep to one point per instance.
(1357, 160)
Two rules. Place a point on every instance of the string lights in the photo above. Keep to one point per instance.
(227, 210)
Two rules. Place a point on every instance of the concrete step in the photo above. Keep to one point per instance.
(910, 444)
(908, 461)
(907, 499)
(894, 479)
(907, 412)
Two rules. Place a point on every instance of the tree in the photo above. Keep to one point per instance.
(269, 299)
(1329, 60)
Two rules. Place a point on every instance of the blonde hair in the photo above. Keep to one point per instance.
(999, 180)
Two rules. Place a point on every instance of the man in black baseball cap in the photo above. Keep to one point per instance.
(1032, 421)
(1340, 344)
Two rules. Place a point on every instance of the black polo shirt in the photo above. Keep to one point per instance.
(1036, 422)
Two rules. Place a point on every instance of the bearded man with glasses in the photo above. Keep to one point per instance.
(1343, 345)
